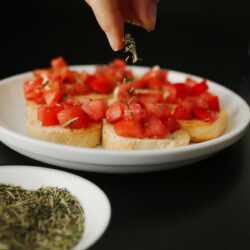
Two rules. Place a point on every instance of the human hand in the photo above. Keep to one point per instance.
(111, 15)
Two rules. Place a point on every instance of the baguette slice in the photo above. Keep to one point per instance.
(89, 137)
(202, 131)
(110, 140)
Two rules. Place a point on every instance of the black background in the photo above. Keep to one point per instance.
(203, 206)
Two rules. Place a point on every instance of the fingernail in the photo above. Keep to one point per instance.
(112, 41)
(151, 16)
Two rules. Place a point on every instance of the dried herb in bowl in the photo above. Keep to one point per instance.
(47, 218)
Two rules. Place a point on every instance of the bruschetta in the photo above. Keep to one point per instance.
(133, 126)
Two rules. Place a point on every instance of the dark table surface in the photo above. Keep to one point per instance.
(202, 206)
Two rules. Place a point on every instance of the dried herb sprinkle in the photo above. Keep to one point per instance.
(47, 218)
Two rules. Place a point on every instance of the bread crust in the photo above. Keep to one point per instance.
(203, 131)
(110, 140)
(89, 137)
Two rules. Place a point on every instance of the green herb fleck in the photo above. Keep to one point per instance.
(130, 100)
(106, 107)
(69, 123)
(146, 124)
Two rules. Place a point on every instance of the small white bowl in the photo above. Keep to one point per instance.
(96, 206)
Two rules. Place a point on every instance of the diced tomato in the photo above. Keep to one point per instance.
(53, 92)
(144, 99)
(70, 77)
(126, 91)
(155, 83)
(172, 92)
(190, 83)
(183, 111)
(171, 123)
(154, 128)
(58, 63)
(83, 75)
(159, 110)
(99, 83)
(199, 88)
(181, 90)
(33, 90)
(204, 114)
(129, 128)
(119, 63)
(78, 88)
(153, 79)
(115, 112)
(97, 109)
(133, 112)
(129, 74)
(213, 103)
(48, 115)
(196, 101)
(75, 114)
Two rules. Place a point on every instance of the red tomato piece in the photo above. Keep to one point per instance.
(133, 112)
(70, 77)
(58, 63)
(33, 90)
(48, 115)
(115, 112)
(119, 63)
(75, 114)
(181, 90)
(159, 110)
(155, 83)
(171, 123)
(190, 83)
(199, 88)
(78, 88)
(53, 92)
(97, 109)
(172, 92)
(183, 111)
(213, 103)
(155, 128)
(99, 83)
(144, 99)
(204, 114)
(129, 128)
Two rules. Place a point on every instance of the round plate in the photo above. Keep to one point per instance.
(12, 133)
(94, 202)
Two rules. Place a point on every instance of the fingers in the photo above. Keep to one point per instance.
(110, 19)
(146, 11)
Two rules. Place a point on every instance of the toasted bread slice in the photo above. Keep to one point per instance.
(89, 137)
(110, 140)
(31, 109)
(203, 131)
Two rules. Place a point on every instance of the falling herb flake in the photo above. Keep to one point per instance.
(47, 218)
(130, 46)
(130, 101)
(146, 124)
(69, 123)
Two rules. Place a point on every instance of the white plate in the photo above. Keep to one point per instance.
(12, 133)
(95, 204)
